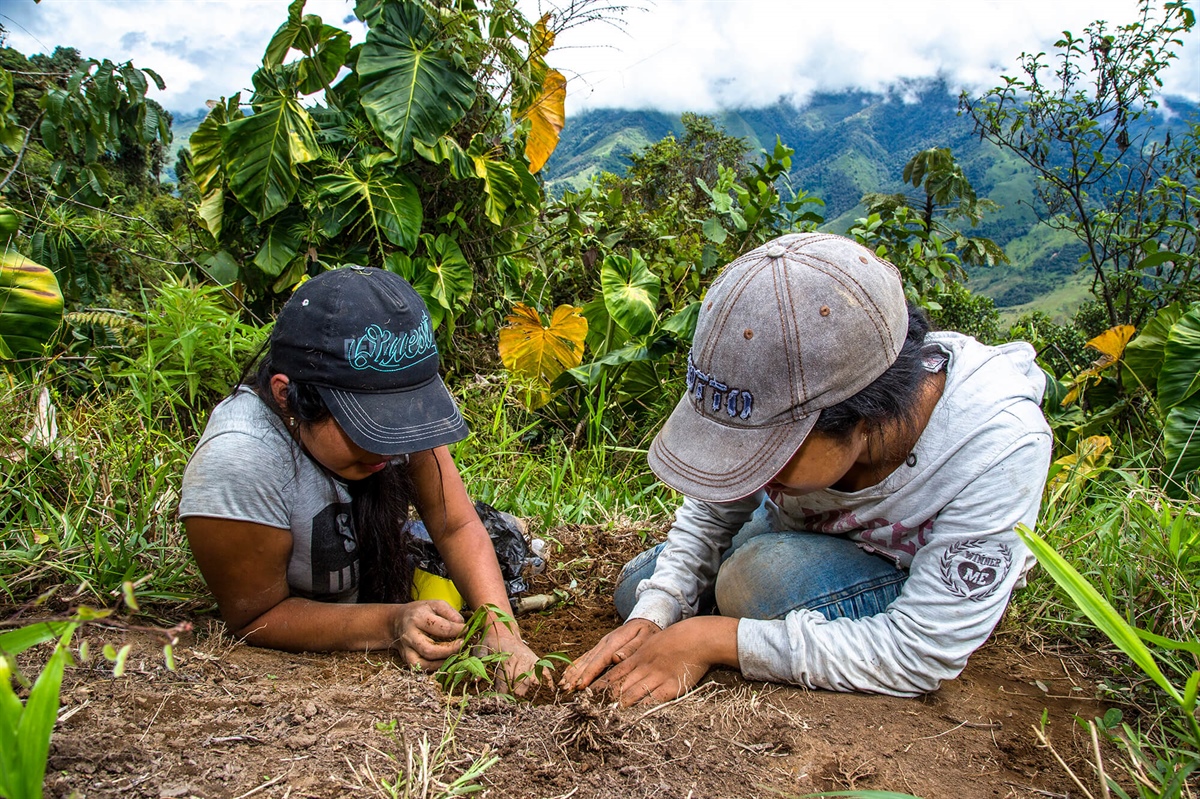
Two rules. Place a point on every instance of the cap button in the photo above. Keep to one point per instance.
(775, 251)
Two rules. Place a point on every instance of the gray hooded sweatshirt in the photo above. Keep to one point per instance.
(980, 469)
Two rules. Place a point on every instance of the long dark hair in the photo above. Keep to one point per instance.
(380, 504)
(894, 396)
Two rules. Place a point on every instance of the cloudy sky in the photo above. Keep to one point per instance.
(672, 55)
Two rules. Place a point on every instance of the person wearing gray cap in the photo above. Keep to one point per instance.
(851, 486)
(296, 501)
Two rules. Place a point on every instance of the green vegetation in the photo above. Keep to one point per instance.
(129, 306)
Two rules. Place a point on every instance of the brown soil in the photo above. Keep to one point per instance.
(233, 721)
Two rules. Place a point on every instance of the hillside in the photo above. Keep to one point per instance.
(851, 143)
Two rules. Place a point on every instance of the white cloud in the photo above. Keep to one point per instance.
(674, 55)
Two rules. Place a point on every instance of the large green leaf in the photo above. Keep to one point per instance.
(284, 38)
(262, 151)
(453, 278)
(413, 270)
(380, 197)
(502, 181)
(446, 149)
(325, 46)
(1143, 356)
(278, 249)
(410, 87)
(1181, 439)
(31, 305)
(630, 292)
(208, 172)
(1180, 375)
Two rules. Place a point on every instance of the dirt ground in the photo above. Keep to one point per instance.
(234, 722)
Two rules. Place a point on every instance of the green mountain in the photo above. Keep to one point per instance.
(851, 143)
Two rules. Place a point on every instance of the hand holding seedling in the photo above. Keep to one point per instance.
(427, 632)
(518, 674)
(613, 648)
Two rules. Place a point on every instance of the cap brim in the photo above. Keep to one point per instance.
(704, 459)
(398, 422)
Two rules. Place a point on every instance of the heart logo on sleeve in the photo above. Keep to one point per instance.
(975, 569)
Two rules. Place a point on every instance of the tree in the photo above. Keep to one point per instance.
(421, 159)
(917, 232)
(75, 133)
(1106, 172)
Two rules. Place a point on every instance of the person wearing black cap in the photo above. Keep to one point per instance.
(852, 483)
(296, 501)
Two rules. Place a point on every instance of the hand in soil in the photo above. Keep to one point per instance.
(518, 675)
(426, 632)
(670, 663)
(612, 649)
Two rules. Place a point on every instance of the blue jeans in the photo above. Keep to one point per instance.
(767, 575)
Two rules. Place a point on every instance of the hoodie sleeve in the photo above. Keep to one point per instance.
(958, 586)
(688, 564)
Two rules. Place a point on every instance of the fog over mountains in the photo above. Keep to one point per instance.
(854, 142)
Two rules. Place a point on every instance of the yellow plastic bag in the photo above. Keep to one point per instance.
(430, 586)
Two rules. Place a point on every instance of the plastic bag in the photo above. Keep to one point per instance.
(513, 552)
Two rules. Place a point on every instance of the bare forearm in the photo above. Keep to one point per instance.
(471, 562)
(716, 638)
(300, 625)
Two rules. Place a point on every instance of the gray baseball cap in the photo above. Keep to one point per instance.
(795, 326)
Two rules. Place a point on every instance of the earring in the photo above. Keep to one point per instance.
(291, 421)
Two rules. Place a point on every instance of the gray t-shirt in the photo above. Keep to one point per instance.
(247, 468)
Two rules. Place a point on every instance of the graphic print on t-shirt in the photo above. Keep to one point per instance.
(334, 551)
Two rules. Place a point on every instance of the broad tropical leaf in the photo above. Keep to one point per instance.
(1111, 343)
(410, 88)
(683, 324)
(325, 46)
(462, 166)
(1091, 456)
(503, 182)
(1111, 346)
(221, 267)
(413, 270)
(278, 249)
(284, 38)
(1144, 355)
(384, 199)
(262, 151)
(453, 279)
(1179, 378)
(630, 292)
(540, 353)
(31, 305)
(546, 116)
(1181, 440)
(208, 172)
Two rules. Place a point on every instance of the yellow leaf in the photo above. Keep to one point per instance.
(539, 353)
(1112, 342)
(547, 114)
(542, 39)
(1090, 457)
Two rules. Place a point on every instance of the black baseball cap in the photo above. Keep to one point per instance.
(362, 336)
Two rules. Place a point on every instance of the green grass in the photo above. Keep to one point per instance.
(1141, 550)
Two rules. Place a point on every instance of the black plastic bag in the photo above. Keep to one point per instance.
(508, 539)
